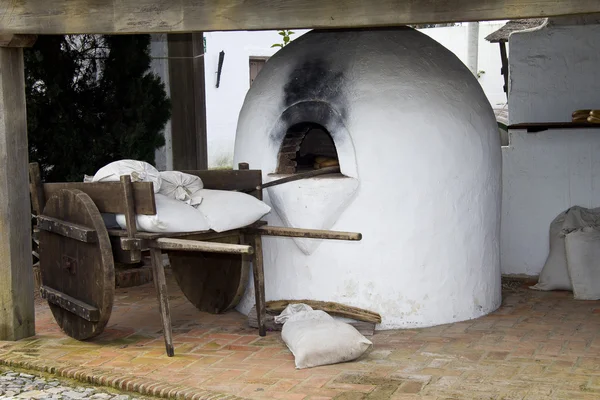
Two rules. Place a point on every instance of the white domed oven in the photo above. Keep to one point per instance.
(419, 160)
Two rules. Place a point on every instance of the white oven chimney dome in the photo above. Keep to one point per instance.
(419, 152)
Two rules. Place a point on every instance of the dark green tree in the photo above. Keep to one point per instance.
(91, 100)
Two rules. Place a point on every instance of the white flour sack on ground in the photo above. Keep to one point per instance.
(227, 210)
(583, 256)
(555, 274)
(139, 171)
(316, 338)
(171, 216)
(181, 186)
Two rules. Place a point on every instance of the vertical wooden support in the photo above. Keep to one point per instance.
(135, 255)
(16, 273)
(188, 115)
(160, 283)
(259, 285)
(504, 60)
(38, 197)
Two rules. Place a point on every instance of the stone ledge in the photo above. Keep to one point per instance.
(132, 384)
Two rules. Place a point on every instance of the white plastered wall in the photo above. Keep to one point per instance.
(554, 71)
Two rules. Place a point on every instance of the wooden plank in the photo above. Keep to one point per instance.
(306, 233)
(365, 328)
(160, 283)
(16, 274)
(198, 235)
(66, 302)
(8, 40)
(302, 175)
(108, 196)
(146, 16)
(533, 127)
(194, 245)
(36, 188)
(259, 284)
(67, 229)
(239, 180)
(329, 307)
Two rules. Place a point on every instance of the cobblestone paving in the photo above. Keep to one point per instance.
(537, 345)
(21, 386)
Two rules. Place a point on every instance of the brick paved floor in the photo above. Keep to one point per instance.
(536, 346)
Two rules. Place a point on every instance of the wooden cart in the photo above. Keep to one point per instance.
(77, 251)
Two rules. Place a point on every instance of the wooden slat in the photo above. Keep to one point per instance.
(365, 328)
(198, 235)
(108, 196)
(144, 16)
(194, 245)
(16, 275)
(533, 127)
(67, 229)
(305, 233)
(240, 180)
(301, 175)
(36, 189)
(66, 302)
(8, 40)
(329, 307)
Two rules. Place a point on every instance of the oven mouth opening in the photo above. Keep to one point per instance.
(307, 146)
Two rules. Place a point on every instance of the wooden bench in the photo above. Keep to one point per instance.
(77, 252)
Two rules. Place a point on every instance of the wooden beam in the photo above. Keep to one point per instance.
(188, 110)
(146, 16)
(305, 233)
(71, 304)
(67, 229)
(16, 272)
(9, 40)
(196, 245)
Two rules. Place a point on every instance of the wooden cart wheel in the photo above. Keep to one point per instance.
(212, 282)
(76, 261)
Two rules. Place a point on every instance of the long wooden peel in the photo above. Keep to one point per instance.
(305, 233)
(196, 245)
(329, 307)
(299, 176)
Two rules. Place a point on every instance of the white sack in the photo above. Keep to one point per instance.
(555, 274)
(139, 171)
(181, 186)
(315, 338)
(227, 210)
(583, 256)
(171, 216)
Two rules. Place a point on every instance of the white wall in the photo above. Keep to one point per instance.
(454, 38)
(553, 73)
(223, 104)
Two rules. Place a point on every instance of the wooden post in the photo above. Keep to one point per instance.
(16, 272)
(504, 59)
(188, 115)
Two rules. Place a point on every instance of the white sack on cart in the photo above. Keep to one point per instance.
(316, 338)
(139, 171)
(171, 216)
(226, 210)
(181, 186)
